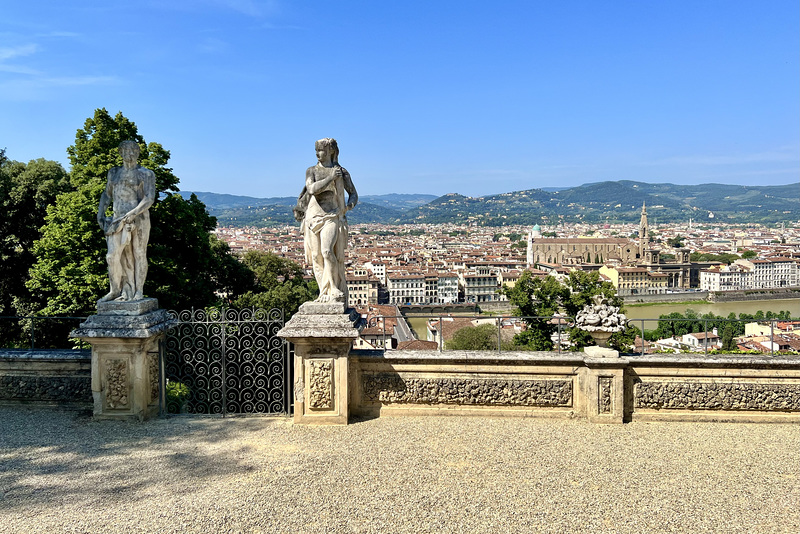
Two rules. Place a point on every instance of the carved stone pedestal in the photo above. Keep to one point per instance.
(322, 335)
(124, 337)
(604, 389)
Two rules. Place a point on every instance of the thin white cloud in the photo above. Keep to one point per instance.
(59, 35)
(77, 80)
(39, 88)
(10, 52)
(214, 45)
(271, 26)
(19, 69)
(250, 8)
(484, 172)
(781, 154)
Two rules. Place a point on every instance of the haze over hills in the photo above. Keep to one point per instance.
(612, 201)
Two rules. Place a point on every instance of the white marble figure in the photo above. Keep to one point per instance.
(322, 209)
(132, 190)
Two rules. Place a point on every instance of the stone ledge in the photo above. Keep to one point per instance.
(46, 355)
(304, 325)
(322, 308)
(522, 357)
(124, 326)
(127, 307)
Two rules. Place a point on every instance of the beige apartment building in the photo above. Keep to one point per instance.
(635, 280)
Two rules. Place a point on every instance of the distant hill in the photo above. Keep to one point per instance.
(221, 201)
(398, 201)
(619, 201)
(613, 201)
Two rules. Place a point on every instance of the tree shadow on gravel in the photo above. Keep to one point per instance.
(51, 456)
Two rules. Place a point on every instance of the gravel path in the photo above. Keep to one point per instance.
(61, 471)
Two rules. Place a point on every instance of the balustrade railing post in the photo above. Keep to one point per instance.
(33, 333)
(499, 326)
(642, 338)
(772, 337)
(441, 335)
(558, 342)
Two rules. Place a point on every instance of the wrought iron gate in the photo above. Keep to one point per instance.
(226, 361)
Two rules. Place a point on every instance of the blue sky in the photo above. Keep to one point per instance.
(423, 97)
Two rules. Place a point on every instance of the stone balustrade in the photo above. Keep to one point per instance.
(46, 377)
(674, 387)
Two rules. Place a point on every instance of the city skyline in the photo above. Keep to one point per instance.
(447, 98)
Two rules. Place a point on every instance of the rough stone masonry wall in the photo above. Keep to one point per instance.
(46, 376)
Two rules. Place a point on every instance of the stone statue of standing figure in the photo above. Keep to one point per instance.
(132, 190)
(322, 209)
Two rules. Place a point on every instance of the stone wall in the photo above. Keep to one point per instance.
(754, 294)
(532, 383)
(683, 296)
(652, 387)
(60, 377)
(722, 388)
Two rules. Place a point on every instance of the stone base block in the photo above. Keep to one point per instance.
(600, 352)
(323, 334)
(127, 307)
(124, 336)
(125, 378)
(604, 389)
(322, 308)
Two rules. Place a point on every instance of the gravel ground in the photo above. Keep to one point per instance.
(61, 471)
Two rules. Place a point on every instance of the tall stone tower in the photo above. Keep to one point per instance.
(644, 232)
(533, 234)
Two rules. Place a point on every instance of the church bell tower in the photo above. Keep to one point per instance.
(644, 232)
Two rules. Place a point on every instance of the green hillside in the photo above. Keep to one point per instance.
(612, 202)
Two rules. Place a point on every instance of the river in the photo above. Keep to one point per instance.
(653, 311)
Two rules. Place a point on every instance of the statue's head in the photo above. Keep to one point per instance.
(129, 149)
(328, 144)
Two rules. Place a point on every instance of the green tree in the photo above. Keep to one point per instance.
(25, 192)
(536, 299)
(275, 283)
(749, 254)
(482, 337)
(728, 342)
(70, 271)
(675, 242)
(545, 297)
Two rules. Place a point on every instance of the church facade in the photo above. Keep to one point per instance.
(581, 251)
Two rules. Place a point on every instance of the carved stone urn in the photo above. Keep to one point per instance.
(601, 337)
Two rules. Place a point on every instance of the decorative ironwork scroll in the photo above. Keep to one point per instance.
(227, 361)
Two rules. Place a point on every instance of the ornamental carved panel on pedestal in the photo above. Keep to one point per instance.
(717, 396)
(320, 384)
(604, 384)
(152, 365)
(117, 384)
(393, 388)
